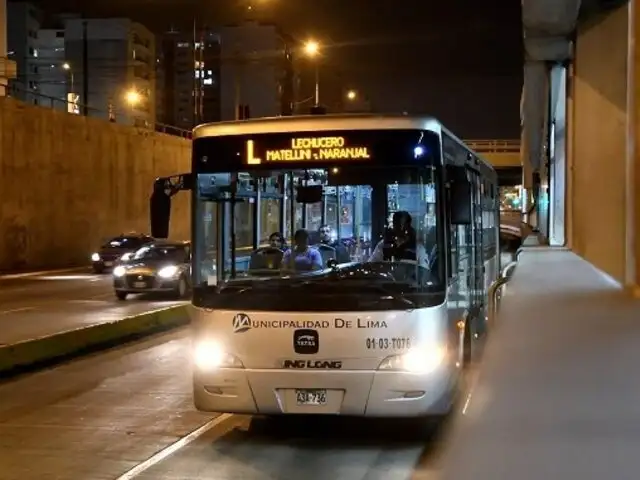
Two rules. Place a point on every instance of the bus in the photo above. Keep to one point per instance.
(363, 335)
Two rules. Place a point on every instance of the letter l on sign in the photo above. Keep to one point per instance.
(251, 159)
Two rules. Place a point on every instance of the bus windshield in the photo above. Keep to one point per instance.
(347, 238)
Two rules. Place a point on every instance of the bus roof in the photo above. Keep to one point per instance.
(317, 123)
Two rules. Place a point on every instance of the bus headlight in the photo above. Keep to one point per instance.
(168, 272)
(416, 360)
(210, 355)
(95, 257)
(119, 271)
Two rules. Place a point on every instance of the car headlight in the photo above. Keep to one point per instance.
(126, 257)
(119, 271)
(168, 272)
(95, 257)
(416, 360)
(210, 355)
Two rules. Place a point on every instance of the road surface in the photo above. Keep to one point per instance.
(124, 410)
(46, 304)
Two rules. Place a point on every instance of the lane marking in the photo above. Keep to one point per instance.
(16, 310)
(174, 447)
(11, 276)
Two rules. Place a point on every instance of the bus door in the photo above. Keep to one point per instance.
(477, 254)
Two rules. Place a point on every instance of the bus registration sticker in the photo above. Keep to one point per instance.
(311, 397)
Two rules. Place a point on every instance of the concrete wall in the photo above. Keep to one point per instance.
(599, 144)
(68, 182)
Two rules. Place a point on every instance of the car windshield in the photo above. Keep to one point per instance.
(124, 242)
(164, 252)
(367, 230)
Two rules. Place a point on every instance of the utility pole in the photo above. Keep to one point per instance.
(85, 70)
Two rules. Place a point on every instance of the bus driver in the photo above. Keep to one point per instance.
(405, 240)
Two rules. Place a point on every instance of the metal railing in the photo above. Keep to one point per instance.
(494, 146)
(495, 292)
(117, 116)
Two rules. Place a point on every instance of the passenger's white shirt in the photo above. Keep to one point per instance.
(421, 254)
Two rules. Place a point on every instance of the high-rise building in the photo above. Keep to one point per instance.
(23, 23)
(52, 76)
(257, 74)
(188, 90)
(113, 62)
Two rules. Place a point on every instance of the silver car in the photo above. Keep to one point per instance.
(161, 267)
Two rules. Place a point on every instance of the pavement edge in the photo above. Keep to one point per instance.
(40, 351)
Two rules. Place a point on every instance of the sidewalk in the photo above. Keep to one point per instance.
(558, 393)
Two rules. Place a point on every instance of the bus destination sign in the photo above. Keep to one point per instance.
(309, 150)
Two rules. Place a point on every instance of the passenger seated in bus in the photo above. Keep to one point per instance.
(301, 257)
(342, 254)
(267, 260)
(277, 240)
(404, 240)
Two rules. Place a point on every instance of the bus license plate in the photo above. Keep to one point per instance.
(139, 285)
(311, 397)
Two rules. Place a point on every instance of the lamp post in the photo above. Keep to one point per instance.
(67, 66)
(312, 50)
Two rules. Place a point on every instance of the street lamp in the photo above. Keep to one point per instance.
(352, 95)
(132, 97)
(312, 49)
(67, 66)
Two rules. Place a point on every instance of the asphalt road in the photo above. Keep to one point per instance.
(127, 413)
(46, 304)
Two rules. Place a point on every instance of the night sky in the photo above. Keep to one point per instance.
(459, 60)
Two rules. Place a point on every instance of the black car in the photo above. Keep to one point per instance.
(161, 267)
(111, 253)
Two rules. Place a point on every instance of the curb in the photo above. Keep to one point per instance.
(12, 276)
(30, 354)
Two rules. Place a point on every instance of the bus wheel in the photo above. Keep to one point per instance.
(122, 296)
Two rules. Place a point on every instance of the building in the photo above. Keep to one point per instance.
(188, 85)
(23, 23)
(52, 78)
(7, 66)
(257, 72)
(113, 63)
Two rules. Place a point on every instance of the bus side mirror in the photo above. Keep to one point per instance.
(460, 196)
(160, 210)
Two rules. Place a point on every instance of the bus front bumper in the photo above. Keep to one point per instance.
(351, 393)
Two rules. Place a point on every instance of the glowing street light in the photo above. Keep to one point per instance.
(66, 66)
(311, 48)
(132, 97)
(352, 95)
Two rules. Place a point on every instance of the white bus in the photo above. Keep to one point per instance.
(360, 316)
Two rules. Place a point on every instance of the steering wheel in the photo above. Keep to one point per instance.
(266, 258)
